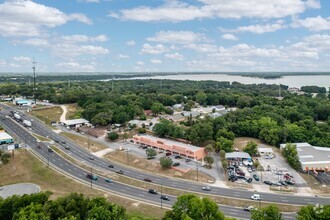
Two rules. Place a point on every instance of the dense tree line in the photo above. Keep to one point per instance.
(313, 89)
(259, 114)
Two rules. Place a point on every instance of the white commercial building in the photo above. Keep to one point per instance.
(265, 151)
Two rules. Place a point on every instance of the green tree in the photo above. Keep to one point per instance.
(291, 155)
(157, 108)
(201, 97)
(151, 153)
(209, 149)
(271, 212)
(166, 162)
(209, 161)
(200, 132)
(102, 118)
(190, 206)
(31, 212)
(125, 136)
(314, 212)
(5, 158)
(113, 136)
(222, 154)
(251, 148)
(224, 144)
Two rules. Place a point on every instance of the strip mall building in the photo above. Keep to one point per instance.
(175, 147)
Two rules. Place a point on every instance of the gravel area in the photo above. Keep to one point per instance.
(18, 189)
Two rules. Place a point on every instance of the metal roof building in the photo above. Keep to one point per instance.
(312, 157)
(5, 138)
(238, 155)
(74, 122)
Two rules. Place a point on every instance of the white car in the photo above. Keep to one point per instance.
(128, 150)
(255, 197)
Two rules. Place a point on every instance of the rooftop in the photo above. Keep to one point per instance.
(5, 136)
(75, 121)
(171, 143)
(238, 155)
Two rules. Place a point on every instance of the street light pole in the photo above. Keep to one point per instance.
(127, 155)
(91, 177)
(197, 169)
(48, 156)
(161, 195)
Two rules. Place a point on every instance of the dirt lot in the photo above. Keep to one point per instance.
(95, 132)
(26, 168)
(53, 113)
(241, 142)
(74, 111)
(154, 167)
(83, 141)
(316, 186)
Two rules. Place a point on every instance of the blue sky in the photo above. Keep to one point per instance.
(164, 35)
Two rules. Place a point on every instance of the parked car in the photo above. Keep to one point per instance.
(91, 176)
(177, 157)
(147, 180)
(267, 182)
(152, 191)
(255, 177)
(206, 188)
(119, 171)
(108, 180)
(248, 208)
(255, 197)
(168, 154)
(249, 180)
(163, 197)
(110, 166)
(276, 184)
(233, 179)
(289, 182)
(283, 183)
(176, 164)
(188, 160)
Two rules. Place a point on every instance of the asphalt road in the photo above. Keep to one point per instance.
(83, 156)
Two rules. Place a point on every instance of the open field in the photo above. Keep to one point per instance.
(26, 168)
(74, 111)
(241, 142)
(84, 142)
(155, 167)
(52, 113)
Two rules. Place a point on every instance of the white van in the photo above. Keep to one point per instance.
(255, 197)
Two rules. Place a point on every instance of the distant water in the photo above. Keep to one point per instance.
(291, 81)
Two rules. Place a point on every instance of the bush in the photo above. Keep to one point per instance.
(113, 136)
(142, 130)
(166, 162)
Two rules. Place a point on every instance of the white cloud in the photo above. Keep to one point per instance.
(38, 42)
(2, 62)
(203, 48)
(74, 66)
(177, 11)
(27, 18)
(22, 59)
(155, 61)
(140, 63)
(258, 28)
(229, 37)
(83, 38)
(122, 56)
(313, 23)
(72, 50)
(130, 43)
(177, 37)
(89, 1)
(157, 49)
(174, 56)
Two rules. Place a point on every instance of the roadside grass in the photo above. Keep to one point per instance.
(74, 111)
(41, 138)
(315, 185)
(52, 113)
(26, 168)
(83, 141)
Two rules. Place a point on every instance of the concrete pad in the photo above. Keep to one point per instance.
(18, 189)
(101, 153)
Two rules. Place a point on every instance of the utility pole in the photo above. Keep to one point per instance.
(197, 169)
(34, 81)
(127, 155)
(91, 177)
(48, 156)
(88, 141)
(161, 196)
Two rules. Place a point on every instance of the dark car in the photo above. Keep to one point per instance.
(177, 157)
(63, 142)
(67, 147)
(188, 160)
(152, 191)
(268, 182)
(176, 164)
(249, 180)
(282, 183)
(120, 172)
(255, 177)
(91, 176)
(91, 158)
(111, 166)
(50, 150)
(289, 182)
(163, 197)
(39, 147)
(56, 141)
(147, 180)
(168, 154)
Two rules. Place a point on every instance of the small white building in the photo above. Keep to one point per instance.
(262, 151)
(75, 122)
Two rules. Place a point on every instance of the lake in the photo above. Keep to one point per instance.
(291, 81)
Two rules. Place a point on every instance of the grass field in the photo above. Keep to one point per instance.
(26, 168)
(74, 111)
(48, 114)
(83, 141)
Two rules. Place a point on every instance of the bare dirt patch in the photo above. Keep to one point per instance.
(85, 142)
(154, 166)
(73, 112)
(95, 132)
(48, 114)
(241, 142)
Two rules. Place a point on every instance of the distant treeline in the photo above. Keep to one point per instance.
(313, 89)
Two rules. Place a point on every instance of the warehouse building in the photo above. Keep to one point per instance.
(238, 156)
(175, 147)
(75, 122)
(5, 138)
(311, 157)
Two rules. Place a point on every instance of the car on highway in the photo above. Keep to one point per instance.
(249, 208)
(56, 141)
(63, 142)
(110, 166)
(91, 158)
(152, 191)
(38, 141)
(206, 188)
(108, 180)
(91, 176)
(39, 147)
(255, 197)
(67, 147)
(268, 182)
(164, 197)
(176, 164)
(119, 171)
(50, 150)
(147, 180)
(255, 177)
